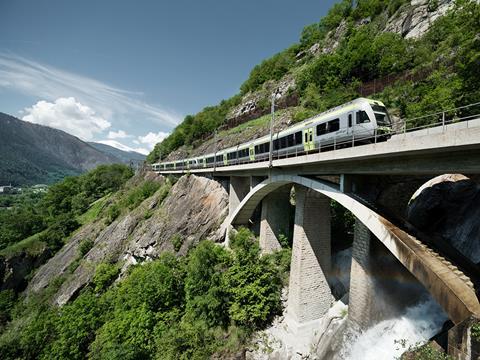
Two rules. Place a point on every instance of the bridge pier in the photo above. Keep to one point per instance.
(239, 188)
(309, 295)
(275, 219)
(361, 294)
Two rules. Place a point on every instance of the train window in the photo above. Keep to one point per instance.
(321, 129)
(275, 144)
(362, 117)
(382, 119)
(350, 120)
(298, 137)
(257, 149)
(333, 125)
(379, 108)
(232, 155)
(283, 142)
(219, 158)
(290, 140)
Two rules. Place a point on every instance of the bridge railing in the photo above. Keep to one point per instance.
(443, 118)
(438, 120)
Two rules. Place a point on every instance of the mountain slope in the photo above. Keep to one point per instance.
(418, 57)
(124, 156)
(32, 154)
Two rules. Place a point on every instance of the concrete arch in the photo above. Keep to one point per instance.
(456, 297)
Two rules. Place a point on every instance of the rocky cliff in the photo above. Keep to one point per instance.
(193, 210)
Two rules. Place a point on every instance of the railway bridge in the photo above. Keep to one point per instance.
(375, 183)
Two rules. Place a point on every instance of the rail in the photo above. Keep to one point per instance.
(463, 114)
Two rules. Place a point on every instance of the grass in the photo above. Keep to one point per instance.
(258, 122)
(93, 211)
(31, 245)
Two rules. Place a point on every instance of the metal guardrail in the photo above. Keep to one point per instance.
(435, 120)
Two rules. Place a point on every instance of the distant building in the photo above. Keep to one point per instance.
(7, 189)
(39, 188)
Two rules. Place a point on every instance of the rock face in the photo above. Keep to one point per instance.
(257, 104)
(192, 211)
(15, 268)
(415, 22)
(449, 206)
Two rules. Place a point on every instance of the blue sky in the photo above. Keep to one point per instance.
(126, 72)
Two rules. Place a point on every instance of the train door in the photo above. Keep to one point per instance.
(251, 152)
(308, 143)
(204, 162)
(225, 159)
(350, 123)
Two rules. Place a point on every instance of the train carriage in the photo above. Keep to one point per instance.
(361, 120)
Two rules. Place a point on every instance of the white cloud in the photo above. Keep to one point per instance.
(123, 147)
(69, 115)
(120, 134)
(151, 139)
(33, 78)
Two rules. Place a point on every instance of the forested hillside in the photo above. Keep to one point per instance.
(33, 154)
(423, 62)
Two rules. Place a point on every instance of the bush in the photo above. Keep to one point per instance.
(105, 275)
(205, 292)
(85, 246)
(253, 283)
(136, 195)
(177, 241)
(7, 300)
(113, 212)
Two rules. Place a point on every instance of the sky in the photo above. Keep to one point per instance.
(126, 72)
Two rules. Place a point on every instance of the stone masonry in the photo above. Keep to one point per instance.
(309, 293)
(361, 283)
(275, 219)
(239, 188)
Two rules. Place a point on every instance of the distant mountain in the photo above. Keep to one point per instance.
(125, 156)
(32, 154)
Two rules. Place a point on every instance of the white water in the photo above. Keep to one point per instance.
(418, 324)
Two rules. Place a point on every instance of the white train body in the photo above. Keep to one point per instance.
(357, 121)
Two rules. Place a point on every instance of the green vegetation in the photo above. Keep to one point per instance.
(52, 216)
(177, 241)
(42, 221)
(130, 199)
(475, 330)
(424, 352)
(448, 56)
(172, 308)
(85, 246)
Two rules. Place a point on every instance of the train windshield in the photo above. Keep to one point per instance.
(382, 119)
(381, 115)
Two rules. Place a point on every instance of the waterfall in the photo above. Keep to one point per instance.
(390, 338)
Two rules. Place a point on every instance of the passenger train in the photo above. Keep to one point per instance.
(358, 121)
